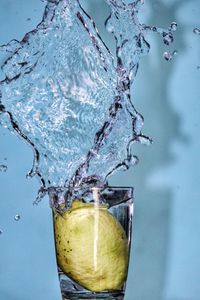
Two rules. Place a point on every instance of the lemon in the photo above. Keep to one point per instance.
(91, 246)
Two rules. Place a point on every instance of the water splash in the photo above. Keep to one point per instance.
(69, 98)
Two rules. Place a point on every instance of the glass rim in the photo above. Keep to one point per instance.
(100, 187)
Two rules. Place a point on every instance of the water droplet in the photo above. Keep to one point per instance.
(3, 168)
(17, 217)
(168, 38)
(196, 30)
(173, 26)
(198, 67)
(1, 231)
(168, 55)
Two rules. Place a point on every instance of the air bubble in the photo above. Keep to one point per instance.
(17, 217)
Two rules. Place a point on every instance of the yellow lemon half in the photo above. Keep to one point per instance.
(91, 246)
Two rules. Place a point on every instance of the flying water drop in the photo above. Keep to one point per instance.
(17, 217)
(3, 168)
(168, 55)
(173, 26)
(196, 31)
(168, 38)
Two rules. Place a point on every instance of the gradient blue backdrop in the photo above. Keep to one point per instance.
(165, 261)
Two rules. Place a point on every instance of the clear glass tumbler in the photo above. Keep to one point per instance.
(92, 240)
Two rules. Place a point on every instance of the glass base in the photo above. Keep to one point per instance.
(92, 296)
(71, 290)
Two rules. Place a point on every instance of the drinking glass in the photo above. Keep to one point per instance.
(92, 230)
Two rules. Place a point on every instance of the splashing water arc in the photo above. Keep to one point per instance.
(69, 98)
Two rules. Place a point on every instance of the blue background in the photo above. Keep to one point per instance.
(165, 260)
